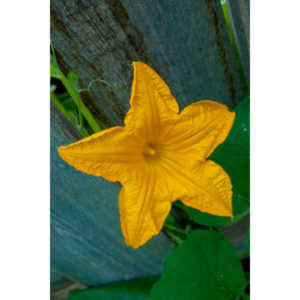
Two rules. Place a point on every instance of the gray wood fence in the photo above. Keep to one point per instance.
(187, 43)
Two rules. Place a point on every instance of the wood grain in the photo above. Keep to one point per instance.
(185, 41)
(240, 17)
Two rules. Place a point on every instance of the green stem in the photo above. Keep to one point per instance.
(234, 45)
(53, 52)
(174, 237)
(188, 228)
(242, 215)
(61, 108)
(85, 111)
(175, 229)
(238, 218)
(58, 104)
(97, 80)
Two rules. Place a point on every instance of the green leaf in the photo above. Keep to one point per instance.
(248, 239)
(233, 155)
(246, 297)
(73, 79)
(203, 267)
(68, 102)
(52, 60)
(74, 119)
(55, 72)
(131, 290)
(206, 219)
(72, 116)
(170, 220)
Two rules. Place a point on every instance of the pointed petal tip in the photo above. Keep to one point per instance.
(230, 214)
(135, 62)
(139, 63)
(227, 211)
(131, 243)
(135, 244)
(62, 151)
(134, 241)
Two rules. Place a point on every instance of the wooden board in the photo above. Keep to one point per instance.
(240, 17)
(185, 41)
(63, 293)
(58, 281)
(86, 241)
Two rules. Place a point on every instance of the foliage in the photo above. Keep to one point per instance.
(70, 103)
(204, 266)
(132, 290)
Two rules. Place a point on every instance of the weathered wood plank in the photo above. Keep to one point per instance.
(86, 241)
(58, 281)
(240, 17)
(185, 41)
(63, 293)
(236, 233)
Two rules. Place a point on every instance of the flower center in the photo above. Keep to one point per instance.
(149, 150)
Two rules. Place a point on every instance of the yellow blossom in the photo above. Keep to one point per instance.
(159, 156)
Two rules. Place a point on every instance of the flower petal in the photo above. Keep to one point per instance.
(143, 208)
(151, 102)
(216, 195)
(112, 153)
(200, 128)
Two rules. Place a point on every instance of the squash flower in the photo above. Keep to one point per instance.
(159, 156)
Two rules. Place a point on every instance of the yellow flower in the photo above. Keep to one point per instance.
(159, 156)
